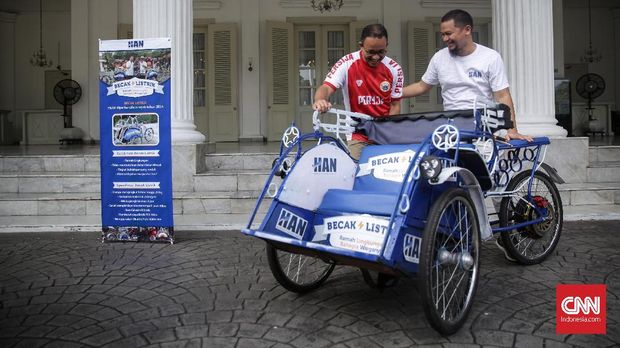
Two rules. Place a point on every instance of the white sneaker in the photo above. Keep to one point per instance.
(501, 247)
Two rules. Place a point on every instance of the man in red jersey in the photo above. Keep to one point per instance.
(371, 83)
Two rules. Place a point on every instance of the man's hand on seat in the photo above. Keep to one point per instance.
(514, 134)
(321, 105)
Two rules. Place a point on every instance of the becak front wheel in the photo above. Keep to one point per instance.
(296, 272)
(533, 243)
(450, 261)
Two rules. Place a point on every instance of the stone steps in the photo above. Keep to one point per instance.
(580, 194)
(69, 182)
(229, 222)
(50, 163)
(239, 161)
(604, 153)
(62, 192)
(606, 171)
(92, 223)
(83, 204)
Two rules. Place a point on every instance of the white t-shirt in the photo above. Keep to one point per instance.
(463, 79)
(129, 68)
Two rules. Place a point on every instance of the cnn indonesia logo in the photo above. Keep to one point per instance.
(580, 309)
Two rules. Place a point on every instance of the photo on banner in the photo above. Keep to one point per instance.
(136, 155)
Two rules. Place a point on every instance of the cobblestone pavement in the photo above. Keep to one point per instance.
(215, 289)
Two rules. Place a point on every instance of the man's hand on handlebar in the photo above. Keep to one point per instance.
(514, 134)
(321, 105)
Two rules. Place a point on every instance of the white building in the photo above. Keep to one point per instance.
(246, 68)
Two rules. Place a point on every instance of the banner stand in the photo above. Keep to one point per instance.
(136, 152)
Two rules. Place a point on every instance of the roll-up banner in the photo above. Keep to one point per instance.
(136, 159)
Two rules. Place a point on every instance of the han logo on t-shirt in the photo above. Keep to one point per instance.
(359, 83)
(384, 86)
(473, 73)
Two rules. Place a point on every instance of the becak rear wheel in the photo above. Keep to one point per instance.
(533, 243)
(296, 272)
(450, 261)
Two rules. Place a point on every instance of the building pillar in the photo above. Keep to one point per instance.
(523, 35)
(7, 60)
(558, 38)
(173, 19)
(616, 16)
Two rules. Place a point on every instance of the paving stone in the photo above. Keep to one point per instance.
(31, 343)
(219, 342)
(342, 320)
(35, 320)
(166, 322)
(27, 310)
(8, 332)
(103, 338)
(254, 343)
(192, 331)
(493, 337)
(335, 334)
(159, 336)
(393, 339)
(219, 316)
(145, 314)
(246, 316)
(282, 334)
(132, 329)
(38, 331)
(175, 344)
(274, 319)
(223, 329)
(193, 318)
(60, 332)
(84, 333)
(63, 344)
(216, 290)
(252, 330)
(527, 341)
(254, 304)
(133, 341)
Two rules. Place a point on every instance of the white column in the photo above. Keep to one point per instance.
(173, 19)
(616, 14)
(558, 38)
(7, 60)
(523, 35)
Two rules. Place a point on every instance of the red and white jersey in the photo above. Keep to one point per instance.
(366, 89)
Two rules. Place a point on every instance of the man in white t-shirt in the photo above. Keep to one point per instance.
(465, 71)
(129, 68)
(371, 82)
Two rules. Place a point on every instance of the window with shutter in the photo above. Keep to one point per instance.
(280, 109)
(222, 64)
(421, 48)
(222, 52)
(199, 48)
(280, 43)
